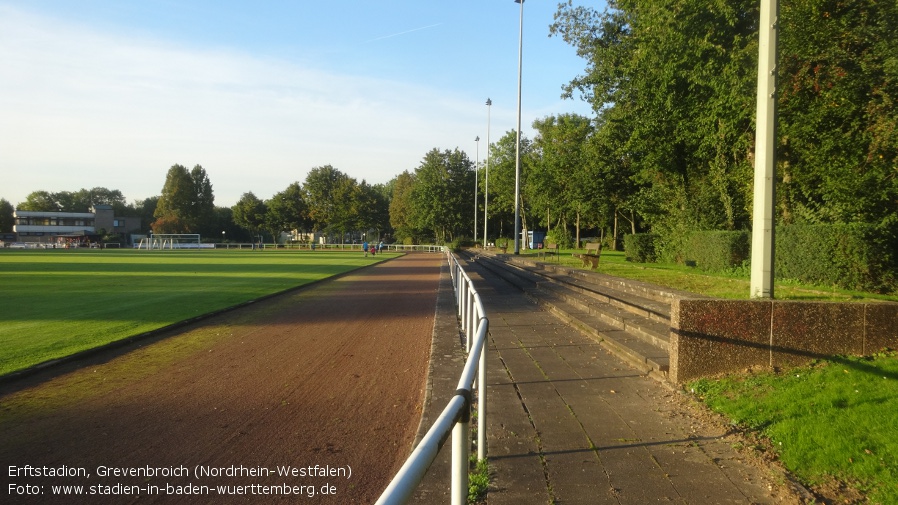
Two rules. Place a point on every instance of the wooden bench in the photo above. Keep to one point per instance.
(589, 259)
(548, 249)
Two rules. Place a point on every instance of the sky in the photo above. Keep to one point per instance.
(112, 93)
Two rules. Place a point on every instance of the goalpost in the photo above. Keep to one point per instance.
(171, 241)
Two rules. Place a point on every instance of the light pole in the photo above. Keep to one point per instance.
(486, 183)
(517, 149)
(476, 162)
(763, 225)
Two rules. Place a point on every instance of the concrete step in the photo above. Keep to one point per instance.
(654, 292)
(634, 327)
(628, 342)
(647, 317)
(654, 331)
(643, 299)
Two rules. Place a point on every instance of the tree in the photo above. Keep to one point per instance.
(615, 188)
(145, 209)
(7, 220)
(676, 80)
(169, 223)
(561, 181)
(379, 213)
(346, 207)
(39, 201)
(187, 201)
(402, 217)
(371, 204)
(502, 181)
(249, 213)
(319, 187)
(85, 199)
(78, 201)
(287, 211)
(173, 208)
(442, 194)
(223, 222)
(839, 85)
(202, 204)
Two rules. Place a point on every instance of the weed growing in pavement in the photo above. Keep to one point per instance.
(478, 480)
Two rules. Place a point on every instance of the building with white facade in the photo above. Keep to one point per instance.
(61, 227)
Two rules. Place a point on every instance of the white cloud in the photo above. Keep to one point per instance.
(80, 108)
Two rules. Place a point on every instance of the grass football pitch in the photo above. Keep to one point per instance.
(59, 302)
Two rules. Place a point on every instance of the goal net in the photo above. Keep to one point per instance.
(170, 241)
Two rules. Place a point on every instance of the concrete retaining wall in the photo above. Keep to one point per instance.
(710, 337)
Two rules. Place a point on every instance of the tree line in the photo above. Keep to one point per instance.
(673, 84)
(328, 202)
(669, 149)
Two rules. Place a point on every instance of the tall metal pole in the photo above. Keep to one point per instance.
(476, 163)
(486, 183)
(517, 161)
(764, 207)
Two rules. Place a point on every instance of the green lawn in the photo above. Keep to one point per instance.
(734, 285)
(830, 423)
(834, 419)
(59, 302)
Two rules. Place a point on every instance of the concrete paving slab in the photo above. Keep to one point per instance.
(605, 432)
(571, 423)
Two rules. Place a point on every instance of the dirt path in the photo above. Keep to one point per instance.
(331, 376)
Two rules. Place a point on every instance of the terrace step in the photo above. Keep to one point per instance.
(632, 318)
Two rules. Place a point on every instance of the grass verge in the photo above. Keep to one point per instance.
(830, 423)
(734, 285)
(60, 302)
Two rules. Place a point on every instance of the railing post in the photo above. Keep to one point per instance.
(460, 453)
(469, 322)
(481, 394)
(463, 306)
(459, 298)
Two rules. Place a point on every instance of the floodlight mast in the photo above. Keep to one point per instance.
(476, 163)
(517, 161)
(486, 186)
(764, 212)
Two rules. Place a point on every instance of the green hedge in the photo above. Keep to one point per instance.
(850, 256)
(640, 247)
(718, 250)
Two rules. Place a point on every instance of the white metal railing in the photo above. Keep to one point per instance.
(456, 416)
(330, 247)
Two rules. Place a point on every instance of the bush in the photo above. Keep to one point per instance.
(718, 251)
(850, 256)
(561, 236)
(460, 243)
(640, 247)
